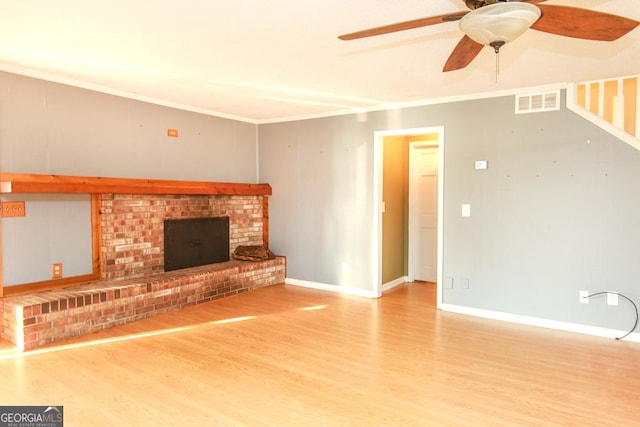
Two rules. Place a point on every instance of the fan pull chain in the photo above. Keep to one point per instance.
(496, 47)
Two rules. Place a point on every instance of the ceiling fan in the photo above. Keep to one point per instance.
(496, 22)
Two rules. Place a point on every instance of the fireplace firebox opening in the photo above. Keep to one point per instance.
(192, 242)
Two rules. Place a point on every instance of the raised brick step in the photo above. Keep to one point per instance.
(33, 320)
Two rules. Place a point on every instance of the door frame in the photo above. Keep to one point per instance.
(378, 205)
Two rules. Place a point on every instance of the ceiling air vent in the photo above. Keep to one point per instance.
(538, 102)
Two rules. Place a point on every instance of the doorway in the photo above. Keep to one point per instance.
(423, 172)
(423, 210)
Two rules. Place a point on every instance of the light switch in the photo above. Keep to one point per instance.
(481, 164)
(466, 210)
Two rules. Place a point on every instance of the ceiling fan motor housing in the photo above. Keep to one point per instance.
(477, 4)
(474, 4)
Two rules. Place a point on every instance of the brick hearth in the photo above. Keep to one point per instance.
(132, 283)
(34, 320)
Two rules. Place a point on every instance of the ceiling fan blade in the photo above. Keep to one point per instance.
(464, 52)
(401, 26)
(582, 23)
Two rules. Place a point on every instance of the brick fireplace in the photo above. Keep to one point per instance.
(133, 227)
(133, 284)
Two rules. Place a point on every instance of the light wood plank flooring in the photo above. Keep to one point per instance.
(289, 356)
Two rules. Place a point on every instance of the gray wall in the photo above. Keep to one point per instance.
(557, 211)
(56, 229)
(320, 212)
(49, 128)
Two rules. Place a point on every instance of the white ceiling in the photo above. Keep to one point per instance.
(264, 61)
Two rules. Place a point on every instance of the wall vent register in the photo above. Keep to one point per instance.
(538, 102)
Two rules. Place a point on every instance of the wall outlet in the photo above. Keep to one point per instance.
(448, 282)
(583, 297)
(56, 270)
(612, 298)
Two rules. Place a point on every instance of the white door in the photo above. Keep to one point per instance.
(424, 186)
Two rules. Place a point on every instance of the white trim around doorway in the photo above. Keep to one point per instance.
(378, 205)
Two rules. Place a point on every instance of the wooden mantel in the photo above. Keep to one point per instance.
(96, 186)
(33, 183)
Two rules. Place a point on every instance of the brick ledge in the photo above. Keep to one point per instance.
(34, 320)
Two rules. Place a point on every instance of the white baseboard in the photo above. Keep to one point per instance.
(331, 288)
(392, 284)
(478, 312)
(543, 323)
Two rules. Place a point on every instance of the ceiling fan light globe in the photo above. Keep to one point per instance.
(502, 22)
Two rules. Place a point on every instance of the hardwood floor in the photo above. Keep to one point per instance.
(289, 356)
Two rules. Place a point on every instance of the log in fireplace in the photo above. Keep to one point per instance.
(192, 242)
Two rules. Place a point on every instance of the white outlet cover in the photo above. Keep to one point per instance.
(583, 297)
(448, 282)
(481, 164)
(465, 211)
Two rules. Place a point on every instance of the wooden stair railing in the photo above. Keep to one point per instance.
(613, 104)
